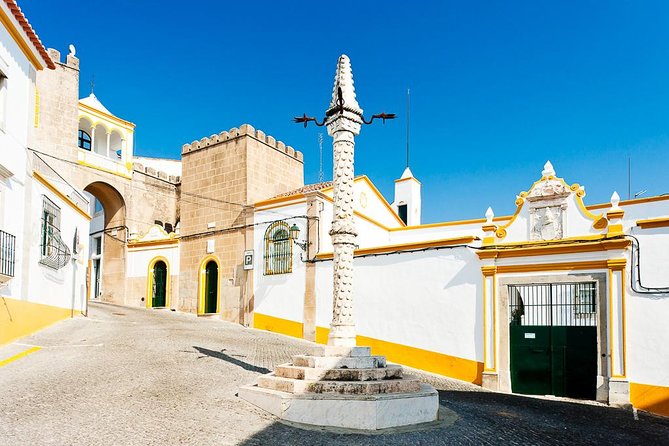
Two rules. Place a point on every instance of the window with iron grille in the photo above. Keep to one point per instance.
(278, 249)
(54, 252)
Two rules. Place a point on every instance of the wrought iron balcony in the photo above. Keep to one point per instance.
(7, 255)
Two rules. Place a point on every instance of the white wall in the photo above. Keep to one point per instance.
(139, 259)
(65, 287)
(430, 300)
(279, 295)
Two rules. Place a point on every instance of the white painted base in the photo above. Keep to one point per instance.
(364, 412)
(619, 392)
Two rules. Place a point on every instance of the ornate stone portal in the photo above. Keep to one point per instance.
(547, 206)
(341, 385)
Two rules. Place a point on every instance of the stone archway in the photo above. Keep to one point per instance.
(114, 238)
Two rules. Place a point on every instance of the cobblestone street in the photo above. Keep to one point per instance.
(134, 377)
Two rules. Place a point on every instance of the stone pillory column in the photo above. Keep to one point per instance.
(343, 125)
(341, 385)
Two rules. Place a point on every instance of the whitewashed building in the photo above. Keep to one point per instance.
(43, 219)
(559, 298)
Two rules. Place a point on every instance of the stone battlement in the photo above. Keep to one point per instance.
(243, 130)
(150, 171)
(71, 60)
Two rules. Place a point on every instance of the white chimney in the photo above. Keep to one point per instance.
(407, 198)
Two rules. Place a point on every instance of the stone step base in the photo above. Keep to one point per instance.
(332, 350)
(339, 362)
(391, 371)
(298, 386)
(358, 412)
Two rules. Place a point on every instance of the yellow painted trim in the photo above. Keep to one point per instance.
(280, 205)
(653, 223)
(553, 248)
(613, 374)
(37, 99)
(446, 365)
(580, 193)
(485, 322)
(168, 242)
(260, 204)
(650, 397)
(149, 282)
(19, 318)
(406, 246)
(46, 183)
(278, 325)
(23, 354)
(401, 180)
(618, 265)
(100, 114)
(20, 41)
(201, 284)
(566, 266)
(615, 214)
(361, 215)
(630, 202)
(449, 223)
(104, 169)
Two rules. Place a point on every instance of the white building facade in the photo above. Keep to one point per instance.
(43, 220)
(560, 298)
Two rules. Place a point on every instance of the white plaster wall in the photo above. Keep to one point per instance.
(648, 314)
(279, 295)
(420, 234)
(66, 287)
(138, 260)
(430, 300)
(408, 192)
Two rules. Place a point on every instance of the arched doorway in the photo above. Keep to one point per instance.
(209, 286)
(108, 235)
(158, 284)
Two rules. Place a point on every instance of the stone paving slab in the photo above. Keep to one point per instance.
(135, 377)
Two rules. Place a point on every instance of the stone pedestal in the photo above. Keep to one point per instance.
(344, 387)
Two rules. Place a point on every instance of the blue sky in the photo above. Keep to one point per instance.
(497, 88)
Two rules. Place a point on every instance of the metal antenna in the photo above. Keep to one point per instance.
(408, 122)
(629, 177)
(92, 83)
(320, 151)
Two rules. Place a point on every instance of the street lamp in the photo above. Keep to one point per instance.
(294, 234)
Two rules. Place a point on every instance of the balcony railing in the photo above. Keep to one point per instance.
(7, 254)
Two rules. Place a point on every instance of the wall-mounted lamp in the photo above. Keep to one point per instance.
(294, 234)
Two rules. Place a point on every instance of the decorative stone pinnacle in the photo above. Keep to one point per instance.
(548, 170)
(615, 200)
(344, 80)
(489, 214)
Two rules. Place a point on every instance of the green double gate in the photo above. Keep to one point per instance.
(553, 339)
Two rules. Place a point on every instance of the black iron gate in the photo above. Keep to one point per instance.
(553, 339)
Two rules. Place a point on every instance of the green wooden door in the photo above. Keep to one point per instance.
(211, 287)
(159, 284)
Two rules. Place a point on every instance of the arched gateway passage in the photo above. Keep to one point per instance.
(108, 244)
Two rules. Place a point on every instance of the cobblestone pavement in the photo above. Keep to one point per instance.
(134, 377)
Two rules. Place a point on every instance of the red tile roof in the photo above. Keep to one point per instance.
(30, 32)
(306, 188)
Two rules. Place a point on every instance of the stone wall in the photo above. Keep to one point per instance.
(222, 176)
(58, 119)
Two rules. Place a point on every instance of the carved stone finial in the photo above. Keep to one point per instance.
(344, 81)
(73, 50)
(548, 170)
(615, 200)
(489, 214)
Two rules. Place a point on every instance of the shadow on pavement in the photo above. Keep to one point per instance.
(231, 360)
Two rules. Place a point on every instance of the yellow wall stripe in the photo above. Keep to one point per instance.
(278, 325)
(651, 398)
(458, 368)
(19, 318)
(4, 362)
